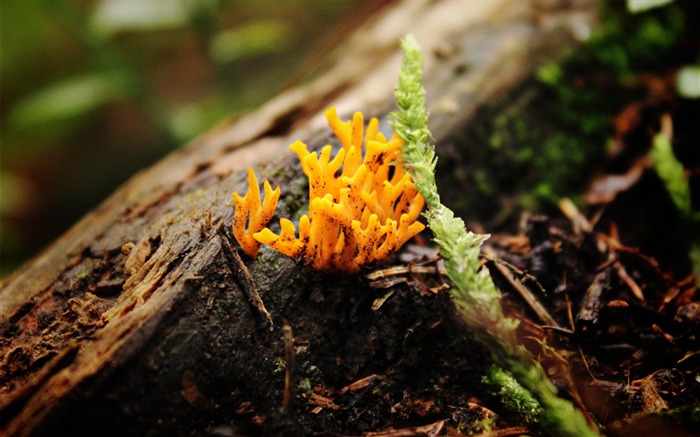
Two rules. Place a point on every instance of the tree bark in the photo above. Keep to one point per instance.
(138, 320)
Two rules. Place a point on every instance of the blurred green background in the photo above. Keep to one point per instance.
(94, 90)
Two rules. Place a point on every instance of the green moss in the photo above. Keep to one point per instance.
(530, 155)
(552, 133)
(513, 396)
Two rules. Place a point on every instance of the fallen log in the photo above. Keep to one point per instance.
(138, 320)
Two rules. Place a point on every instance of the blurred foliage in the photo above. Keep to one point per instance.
(688, 82)
(94, 90)
(547, 139)
(671, 172)
(594, 85)
(635, 6)
(554, 135)
(73, 98)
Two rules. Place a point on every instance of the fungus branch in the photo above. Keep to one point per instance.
(474, 293)
(257, 214)
(362, 207)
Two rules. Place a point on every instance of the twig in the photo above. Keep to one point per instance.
(585, 364)
(505, 432)
(528, 296)
(289, 368)
(359, 384)
(587, 315)
(402, 270)
(525, 276)
(627, 279)
(246, 280)
(426, 430)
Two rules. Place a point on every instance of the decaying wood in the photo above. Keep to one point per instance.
(126, 320)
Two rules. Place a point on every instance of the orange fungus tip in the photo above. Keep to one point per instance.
(250, 209)
(362, 207)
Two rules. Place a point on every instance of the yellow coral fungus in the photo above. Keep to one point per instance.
(362, 208)
(260, 213)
